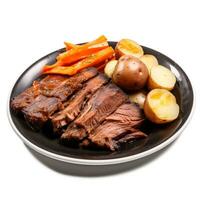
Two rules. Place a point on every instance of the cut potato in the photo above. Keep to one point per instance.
(160, 106)
(149, 60)
(161, 77)
(110, 67)
(138, 98)
(128, 47)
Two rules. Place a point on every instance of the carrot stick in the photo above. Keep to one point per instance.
(48, 67)
(69, 46)
(91, 61)
(82, 51)
(100, 40)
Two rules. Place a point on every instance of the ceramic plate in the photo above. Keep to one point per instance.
(159, 135)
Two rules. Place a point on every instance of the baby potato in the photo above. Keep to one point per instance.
(128, 47)
(110, 67)
(160, 106)
(138, 98)
(149, 61)
(161, 77)
(130, 73)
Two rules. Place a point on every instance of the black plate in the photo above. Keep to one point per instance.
(157, 134)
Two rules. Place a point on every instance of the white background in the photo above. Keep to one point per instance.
(32, 29)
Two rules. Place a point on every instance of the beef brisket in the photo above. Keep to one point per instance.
(49, 83)
(72, 84)
(105, 101)
(38, 87)
(84, 108)
(111, 135)
(119, 127)
(41, 108)
(38, 112)
(77, 103)
(128, 114)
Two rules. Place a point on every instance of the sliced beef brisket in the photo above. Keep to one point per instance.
(105, 101)
(37, 113)
(51, 96)
(41, 109)
(49, 83)
(77, 102)
(89, 108)
(38, 87)
(119, 127)
(73, 84)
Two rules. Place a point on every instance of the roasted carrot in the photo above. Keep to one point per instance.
(48, 67)
(82, 51)
(69, 46)
(91, 61)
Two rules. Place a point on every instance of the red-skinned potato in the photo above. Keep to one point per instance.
(130, 73)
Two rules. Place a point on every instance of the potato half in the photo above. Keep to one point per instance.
(149, 60)
(161, 77)
(128, 47)
(160, 106)
(110, 67)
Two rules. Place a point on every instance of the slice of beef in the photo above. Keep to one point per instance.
(105, 101)
(110, 143)
(38, 87)
(127, 114)
(77, 103)
(119, 127)
(73, 84)
(111, 135)
(49, 83)
(102, 104)
(38, 112)
(22, 100)
(43, 107)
